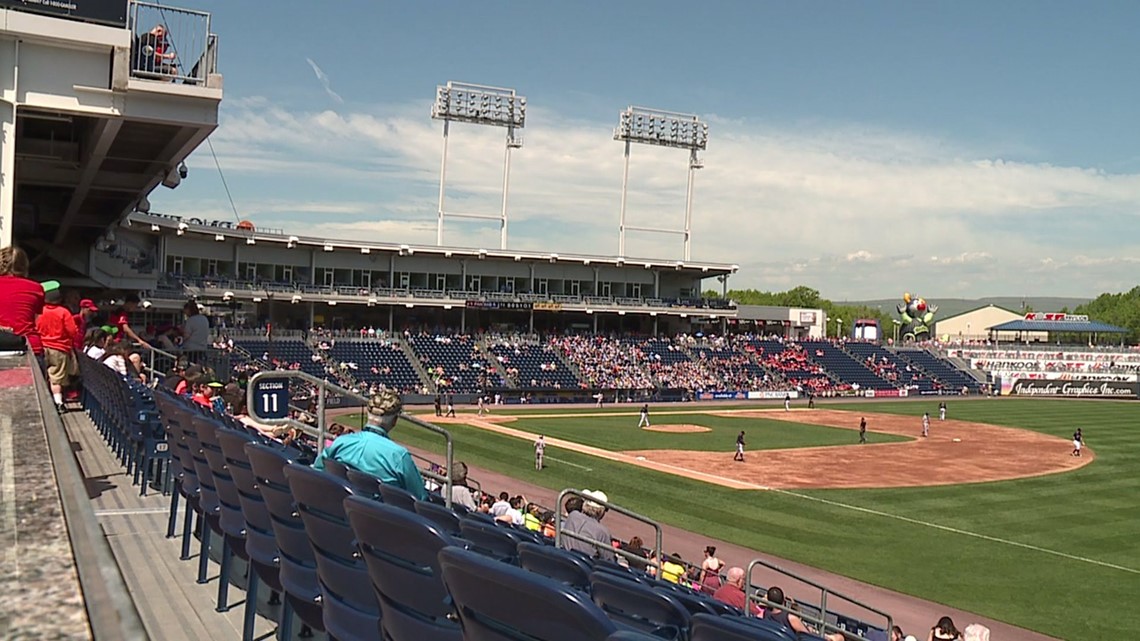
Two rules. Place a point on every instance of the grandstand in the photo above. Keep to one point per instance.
(344, 553)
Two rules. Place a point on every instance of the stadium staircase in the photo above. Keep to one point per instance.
(952, 377)
(844, 366)
(486, 346)
(389, 357)
(529, 358)
(410, 354)
(455, 359)
(907, 374)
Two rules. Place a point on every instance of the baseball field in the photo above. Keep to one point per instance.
(989, 514)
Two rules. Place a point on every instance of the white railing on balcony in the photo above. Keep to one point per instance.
(172, 44)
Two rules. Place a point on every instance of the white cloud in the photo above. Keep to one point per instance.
(852, 211)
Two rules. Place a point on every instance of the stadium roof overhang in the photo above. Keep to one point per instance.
(226, 231)
(1074, 327)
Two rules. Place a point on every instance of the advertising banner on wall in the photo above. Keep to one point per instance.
(1066, 376)
(109, 12)
(771, 395)
(1071, 389)
(885, 393)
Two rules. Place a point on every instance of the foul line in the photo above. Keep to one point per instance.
(954, 530)
(583, 467)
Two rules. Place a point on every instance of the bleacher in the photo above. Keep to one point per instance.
(662, 350)
(537, 366)
(843, 366)
(357, 559)
(953, 378)
(769, 352)
(906, 374)
(377, 363)
(286, 351)
(454, 363)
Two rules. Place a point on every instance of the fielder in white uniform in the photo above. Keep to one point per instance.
(926, 424)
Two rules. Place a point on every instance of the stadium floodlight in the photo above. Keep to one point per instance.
(478, 105)
(663, 129)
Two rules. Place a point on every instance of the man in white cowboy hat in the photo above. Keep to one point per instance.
(372, 451)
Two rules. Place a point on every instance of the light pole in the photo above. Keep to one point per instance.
(897, 324)
(664, 129)
(478, 105)
(838, 327)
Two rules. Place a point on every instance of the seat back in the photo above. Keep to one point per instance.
(446, 519)
(232, 522)
(499, 602)
(260, 544)
(350, 607)
(298, 564)
(209, 494)
(706, 627)
(401, 550)
(336, 468)
(639, 606)
(363, 483)
(555, 564)
(398, 497)
(499, 543)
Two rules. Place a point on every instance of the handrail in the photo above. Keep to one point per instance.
(323, 387)
(821, 620)
(559, 533)
(111, 610)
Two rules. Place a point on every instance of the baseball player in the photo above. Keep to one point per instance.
(925, 424)
(539, 450)
(787, 402)
(482, 405)
(862, 430)
(739, 448)
(450, 407)
(942, 411)
(644, 422)
(1078, 441)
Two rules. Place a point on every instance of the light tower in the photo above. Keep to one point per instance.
(664, 129)
(479, 105)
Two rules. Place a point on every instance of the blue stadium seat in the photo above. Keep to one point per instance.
(397, 497)
(391, 364)
(498, 602)
(447, 520)
(907, 375)
(537, 366)
(498, 542)
(707, 627)
(556, 564)
(639, 606)
(953, 379)
(461, 363)
(260, 545)
(351, 611)
(844, 366)
(401, 551)
(298, 565)
(362, 483)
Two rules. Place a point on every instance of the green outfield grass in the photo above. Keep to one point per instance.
(620, 433)
(1035, 552)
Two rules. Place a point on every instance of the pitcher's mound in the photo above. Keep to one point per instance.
(686, 428)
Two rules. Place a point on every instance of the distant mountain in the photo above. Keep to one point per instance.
(953, 306)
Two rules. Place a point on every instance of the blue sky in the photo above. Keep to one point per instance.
(953, 148)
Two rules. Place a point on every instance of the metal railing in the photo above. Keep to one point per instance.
(819, 622)
(561, 535)
(323, 387)
(172, 44)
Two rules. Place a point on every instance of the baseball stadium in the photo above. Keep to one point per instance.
(214, 429)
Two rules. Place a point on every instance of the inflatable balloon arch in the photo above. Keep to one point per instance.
(916, 316)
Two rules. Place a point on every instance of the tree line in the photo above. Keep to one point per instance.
(809, 298)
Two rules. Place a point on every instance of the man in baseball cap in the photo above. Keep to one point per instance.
(87, 309)
(372, 450)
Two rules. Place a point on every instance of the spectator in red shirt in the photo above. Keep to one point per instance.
(23, 299)
(732, 592)
(57, 331)
(87, 309)
(120, 318)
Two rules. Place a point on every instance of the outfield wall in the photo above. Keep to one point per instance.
(1075, 388)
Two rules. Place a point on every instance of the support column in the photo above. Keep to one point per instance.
(312, 313)
(10, 98)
